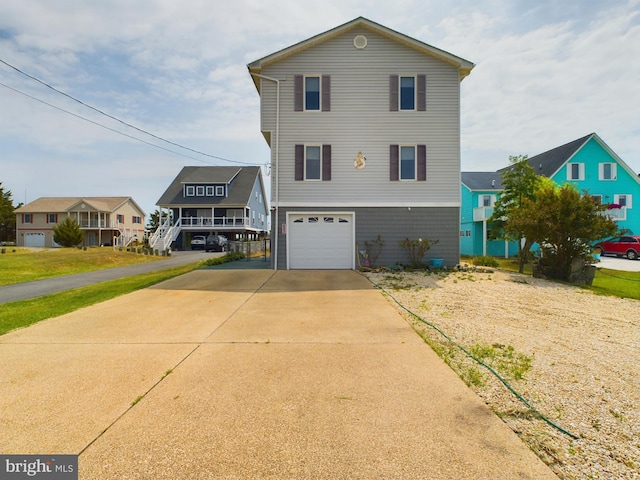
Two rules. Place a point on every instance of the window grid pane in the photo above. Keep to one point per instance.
(312, 164)
(407, 93)
(407, 163)
(312, 93)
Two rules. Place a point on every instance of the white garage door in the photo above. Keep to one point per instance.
(34, 239)
(321, 241)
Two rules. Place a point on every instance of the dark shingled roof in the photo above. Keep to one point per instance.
(242, 180)
(550, 162)
(482, 180)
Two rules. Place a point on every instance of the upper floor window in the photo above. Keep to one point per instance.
(575, 171)
(486, 200)
(407, 92)
(312, 93)
(607, 171)
(52, 217)
(622, 200)
(210, 191)
(408, 162)
(136, 219)
(313, 162)
(27, 218)
(190, 191)
(219, 191)
(200, 191)
(120, 218)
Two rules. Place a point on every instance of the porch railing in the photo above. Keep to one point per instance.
(208, 222)
(482, 213)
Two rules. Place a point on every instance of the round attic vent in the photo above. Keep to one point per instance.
(360, 42)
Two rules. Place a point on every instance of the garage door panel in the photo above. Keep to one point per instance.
(321, 241)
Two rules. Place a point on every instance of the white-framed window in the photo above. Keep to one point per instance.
(219, 191)
(313, 162)
(575, 171)
(407, 92)
(200, 191)
(190, 191)
(312, 92)
(597, 199)
(27, 218)
(607, 171)
(486, 200)
(624, 200)
(407, 162)
(52, 218)
(210, 191)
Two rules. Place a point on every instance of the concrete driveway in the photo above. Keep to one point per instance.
(248, 374)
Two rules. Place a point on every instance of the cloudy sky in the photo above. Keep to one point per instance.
(547, 72)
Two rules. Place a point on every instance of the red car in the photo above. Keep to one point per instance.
(625, 246)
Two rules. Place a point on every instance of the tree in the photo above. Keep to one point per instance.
(7, 216)
(67, 233)
(520, 182)
(565, 224)
(154, 219)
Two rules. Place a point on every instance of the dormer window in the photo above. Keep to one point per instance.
(190, 191)
(219, 191)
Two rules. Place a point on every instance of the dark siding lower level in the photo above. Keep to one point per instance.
(393, 225)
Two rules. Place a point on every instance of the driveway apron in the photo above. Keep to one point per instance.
(248, 374)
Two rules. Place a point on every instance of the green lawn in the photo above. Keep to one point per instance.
(25, 265)
(26, 312)
(606, 282)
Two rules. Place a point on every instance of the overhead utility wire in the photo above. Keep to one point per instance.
(103, 126)
(114, 118)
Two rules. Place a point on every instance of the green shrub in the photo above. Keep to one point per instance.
(228, 257)
(485, 261)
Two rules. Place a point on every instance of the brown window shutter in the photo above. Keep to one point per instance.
(394, 167)
(326, 163)
(422, 93)
(299, 162)
(422, 163)
(326, 93)
(393, 93)
(298, 92)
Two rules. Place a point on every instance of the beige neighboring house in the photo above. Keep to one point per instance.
(116, 221)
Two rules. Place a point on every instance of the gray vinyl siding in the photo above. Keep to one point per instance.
(393, 225)
(259, 206)
(360, 120)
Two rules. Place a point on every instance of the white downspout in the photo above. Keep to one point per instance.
(277, 164)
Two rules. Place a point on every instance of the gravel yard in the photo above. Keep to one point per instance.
(580, 354)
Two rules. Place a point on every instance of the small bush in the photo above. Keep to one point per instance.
(417, 249)
(485, 261)
(229, 257)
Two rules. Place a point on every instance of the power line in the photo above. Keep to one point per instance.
(113, 118)
(99, 124)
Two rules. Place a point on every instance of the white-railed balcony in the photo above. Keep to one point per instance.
(482, 213)
(616, 213)
(194, 223)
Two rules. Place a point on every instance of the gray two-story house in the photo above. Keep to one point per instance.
(227, 201)
(364, 128)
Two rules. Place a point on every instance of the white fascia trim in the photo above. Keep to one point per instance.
(366, 205)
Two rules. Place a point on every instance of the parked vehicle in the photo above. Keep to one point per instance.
(624, 246)
(198, 242)
(216, 243)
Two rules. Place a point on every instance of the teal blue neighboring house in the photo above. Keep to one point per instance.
(480, 190)
(587, 162)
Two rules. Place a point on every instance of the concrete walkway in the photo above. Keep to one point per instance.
(244, 374)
